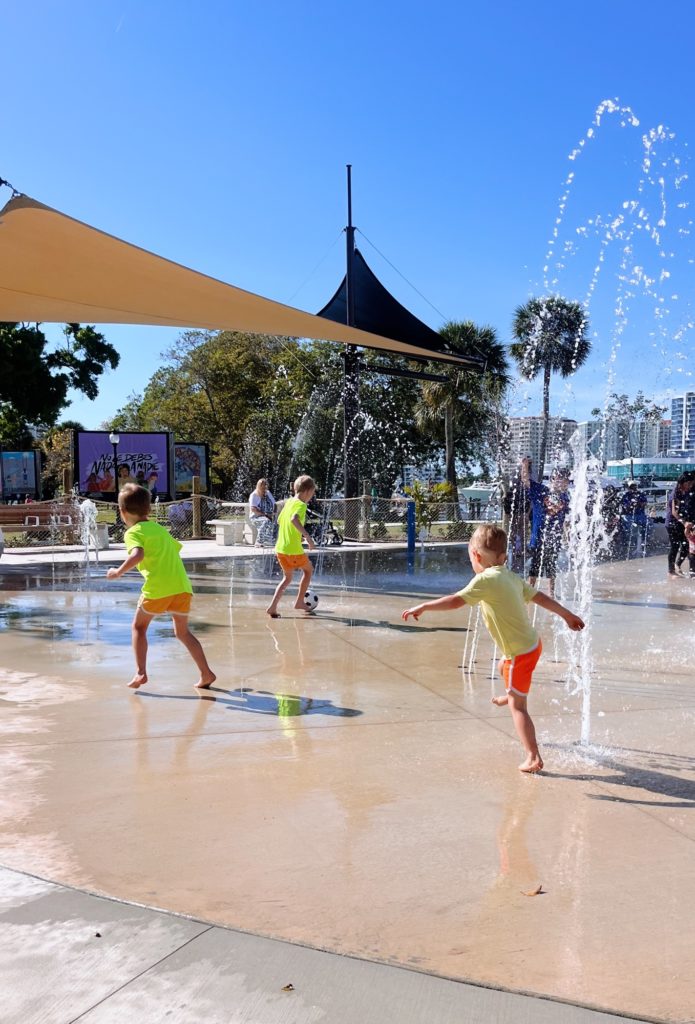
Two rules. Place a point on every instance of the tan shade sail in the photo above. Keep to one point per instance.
(54, 269)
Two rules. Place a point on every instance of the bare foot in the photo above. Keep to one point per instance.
(500, 701)
(139, 679)
(303, 608)
(532, 764)
(273, 614)
(206, 680)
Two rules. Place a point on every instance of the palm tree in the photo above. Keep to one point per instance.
(551, 337)
(466, 399)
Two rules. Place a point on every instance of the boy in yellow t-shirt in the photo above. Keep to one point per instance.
(502, 597)
(288, 549)
(166, 588)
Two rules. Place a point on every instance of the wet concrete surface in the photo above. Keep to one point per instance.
(66, 956)
(347, 786)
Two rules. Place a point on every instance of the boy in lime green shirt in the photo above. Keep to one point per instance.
(503, 597)
(166, 588)
(288, 549)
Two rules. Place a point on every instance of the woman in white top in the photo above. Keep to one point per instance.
(262, 512)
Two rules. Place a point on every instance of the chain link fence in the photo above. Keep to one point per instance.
(384, 520)
(329, 520)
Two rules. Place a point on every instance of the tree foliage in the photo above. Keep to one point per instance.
(272, 407)
(37, 377)
(56, 448)
(461, 412)
(627, 414)
(551, 337)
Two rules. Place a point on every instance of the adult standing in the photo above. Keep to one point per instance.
(679, 510)
(517, 509)
(549, 509)
(262, 513)
(633, 505)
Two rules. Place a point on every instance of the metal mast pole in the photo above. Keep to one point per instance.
(351, 388)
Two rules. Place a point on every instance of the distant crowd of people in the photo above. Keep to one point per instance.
(538, 518)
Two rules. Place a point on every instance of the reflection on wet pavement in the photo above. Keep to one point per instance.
(346, 785)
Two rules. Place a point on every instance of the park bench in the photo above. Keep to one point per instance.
(38, 517)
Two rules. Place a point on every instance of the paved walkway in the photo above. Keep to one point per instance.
(66, 956)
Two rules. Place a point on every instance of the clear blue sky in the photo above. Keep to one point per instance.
(216, 134)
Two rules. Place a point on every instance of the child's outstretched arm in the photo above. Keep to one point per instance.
(133, 559)
(442, 604)
(550, 605)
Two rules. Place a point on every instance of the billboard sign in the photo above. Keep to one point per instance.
(19, 474)
(190, 459)
(143, 458)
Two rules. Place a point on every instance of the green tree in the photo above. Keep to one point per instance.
(429, 501)
(551, 337)
(465, 406)
(628, 416)
(55, 445)
(272, 407)
(36, 376)
(242, 393)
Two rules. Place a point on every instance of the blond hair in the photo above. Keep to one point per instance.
(489, 539)
(134, 499)
(303, 483)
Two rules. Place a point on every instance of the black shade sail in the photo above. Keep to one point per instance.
(377, 312)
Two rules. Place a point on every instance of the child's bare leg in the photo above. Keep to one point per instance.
(282, 586)
(139, 635)
(501, 701)
(523, 723)
(195, 649)
(303, 587)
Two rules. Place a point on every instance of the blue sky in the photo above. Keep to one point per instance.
(217, 135)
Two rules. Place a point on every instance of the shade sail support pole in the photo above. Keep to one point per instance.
(351, 377)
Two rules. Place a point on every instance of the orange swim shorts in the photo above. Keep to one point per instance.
(517, 672)
(175, 604)
(292, 562)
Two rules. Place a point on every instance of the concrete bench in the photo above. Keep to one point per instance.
(228, 531)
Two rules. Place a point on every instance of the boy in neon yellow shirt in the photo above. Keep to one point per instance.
(288, 549)
(166, 588)
(502, 597)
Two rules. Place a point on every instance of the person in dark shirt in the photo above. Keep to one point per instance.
(549, 508)
(679, 510)
(634, 516)
(517, 506)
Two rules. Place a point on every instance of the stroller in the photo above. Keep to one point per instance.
(322, 531)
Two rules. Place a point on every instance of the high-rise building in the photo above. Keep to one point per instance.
(608, 445)
(683, 422)
(646, 439)
(525, 439)
(664, 437)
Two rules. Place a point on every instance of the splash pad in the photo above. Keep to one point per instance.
(337, 745)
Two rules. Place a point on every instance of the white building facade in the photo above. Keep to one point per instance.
(526, 433)
(646, 439)
(683, 423)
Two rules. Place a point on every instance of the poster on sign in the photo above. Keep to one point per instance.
(190, 459)
(142, 458)
(19, 474)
